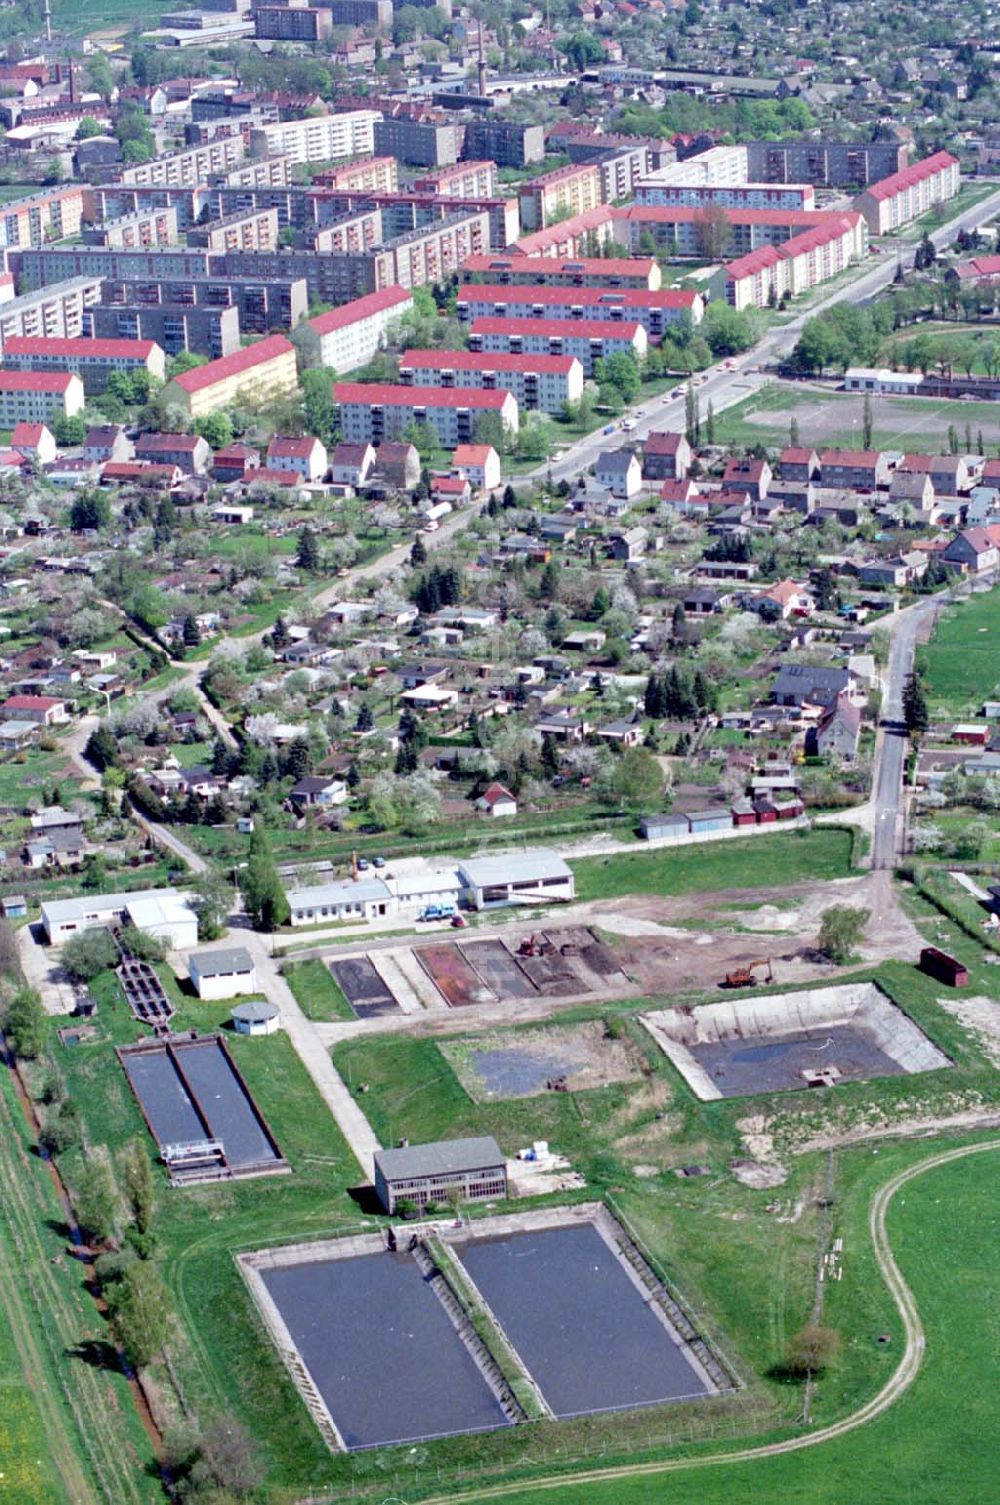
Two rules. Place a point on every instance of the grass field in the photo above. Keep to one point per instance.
(937, 1443)
(961, 662)
(746, 1273)
(794, 857)
(317, 993)
(831, 418)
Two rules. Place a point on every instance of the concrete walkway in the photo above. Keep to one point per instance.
(313, 1054)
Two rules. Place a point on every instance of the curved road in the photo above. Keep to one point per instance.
(900, 1381)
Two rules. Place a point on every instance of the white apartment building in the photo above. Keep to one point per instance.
(321, 138)
(348, 337)
(540, 382)
(588, 340)
(904, 196)
(374, 411)
(659, 190)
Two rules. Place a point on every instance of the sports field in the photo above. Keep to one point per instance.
(828, 418)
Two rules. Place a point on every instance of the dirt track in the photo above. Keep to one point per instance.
(900, 1381)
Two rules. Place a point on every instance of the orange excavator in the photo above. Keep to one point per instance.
(743, 977)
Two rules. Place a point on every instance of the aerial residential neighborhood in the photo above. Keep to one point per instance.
(499, 752)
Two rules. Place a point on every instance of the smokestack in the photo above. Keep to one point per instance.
(48, 21)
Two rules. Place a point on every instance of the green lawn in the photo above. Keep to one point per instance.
(317, 993)
(32, 773)
(757, 862)
(962, 660)
(938, 1442)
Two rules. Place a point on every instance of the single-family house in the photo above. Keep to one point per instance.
(791, 599)
(496, 801)
(808, 684)
(619, 470)
(837, 731)
(34, 441)
(975, 551)
(480, 463)
(799, 464)
(106, 441)
(304, 457)
(351, 464)
(629, 545)
(854, 469)
(914, 488)
(665, 457)
(40, 710)
(744, 473)
(235, 462)
(315, 789)
(189, 452)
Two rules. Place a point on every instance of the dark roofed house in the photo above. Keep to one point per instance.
(804, 684)
(665, 457)
(753, 476)
(473, 1170)
(976, 550)
(837, 732)
(799, 464)
(189, 452)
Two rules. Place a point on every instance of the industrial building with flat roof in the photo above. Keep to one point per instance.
(163, 912)
(223, 973)
(473, 1170)
(534, 876)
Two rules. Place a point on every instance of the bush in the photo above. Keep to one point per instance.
(86, 955)
(26, 1023)
(841, 930)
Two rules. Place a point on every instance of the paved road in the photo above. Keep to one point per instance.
(725, 387)
(896, 1386)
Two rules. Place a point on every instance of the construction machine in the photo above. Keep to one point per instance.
(743, 977)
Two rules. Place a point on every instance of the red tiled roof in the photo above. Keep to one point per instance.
(978, 266)
(455, 485)
(662, 444)
(833, 228)
(584, 329)
(36, 381)
(917, 172)
(359, 308)
(583, 297)
(478, 360)
(293, 448)
(472, 454)
(134, 470)
(31, 702)
(27, 433)
(271, 477)
(794, 456)
(367, 393)
(83, 348)
(231, 365)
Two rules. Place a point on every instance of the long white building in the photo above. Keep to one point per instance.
(373, 411)
(588, 340)
(347, 337)
(545, 383)
(904, 196)
(320, 138)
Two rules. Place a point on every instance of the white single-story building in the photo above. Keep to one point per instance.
(160, 911)
(258, 1018)
(224, 973)
(425, 885)
(882, 381)
(366, 899)
(536, 876)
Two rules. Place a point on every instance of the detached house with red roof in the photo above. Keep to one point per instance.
(749, 475)
(35, 442)
(665, 457)
(305, 457)
(479, 463)
(497, 801)
(799, 464)
(41, 710)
